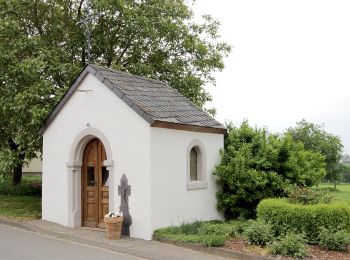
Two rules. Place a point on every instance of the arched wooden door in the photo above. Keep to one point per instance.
(95, 197)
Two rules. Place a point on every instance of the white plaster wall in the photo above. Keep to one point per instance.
(95, 106)
(171, 202)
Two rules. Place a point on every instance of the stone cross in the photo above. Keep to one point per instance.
(124, 191)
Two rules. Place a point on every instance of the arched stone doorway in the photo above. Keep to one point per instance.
(76, 174)
(94, 185)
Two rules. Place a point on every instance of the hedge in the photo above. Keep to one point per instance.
(286, 217)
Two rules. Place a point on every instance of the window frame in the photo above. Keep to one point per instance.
(201, 182)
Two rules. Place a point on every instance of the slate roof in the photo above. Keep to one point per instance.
(155, 101)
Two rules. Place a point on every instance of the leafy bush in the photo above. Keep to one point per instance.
(217, 229)
(257, 165)
(190, 228)
(259, 233)
(213, 240)
(287, 217)
(290, 245)
(162, 232)
(305, 195)
(239, 226)
(334, 240)
(209, 233)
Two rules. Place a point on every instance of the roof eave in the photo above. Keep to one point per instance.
(153, 122)
(87, 69)
(192, 128)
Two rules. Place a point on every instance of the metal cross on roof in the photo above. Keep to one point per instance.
(87, 28)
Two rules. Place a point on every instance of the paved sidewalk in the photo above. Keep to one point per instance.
(19, 244)
(96, 238)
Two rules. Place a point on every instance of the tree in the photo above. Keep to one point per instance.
(338, 173)
(43, 48)
(256, 165)
(346, 159)
(316, 139)
(345, 173)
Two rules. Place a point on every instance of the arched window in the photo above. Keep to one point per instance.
(196, 174)
(193, 164)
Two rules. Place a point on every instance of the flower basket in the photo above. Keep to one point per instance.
(113, 227)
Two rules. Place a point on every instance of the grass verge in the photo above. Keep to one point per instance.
(208, 233)
(30, 186)
(20, 207)
(22, 201)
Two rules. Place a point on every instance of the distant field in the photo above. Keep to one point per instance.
(342, 192)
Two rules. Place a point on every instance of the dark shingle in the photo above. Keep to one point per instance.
(154, 100)
(159, 100)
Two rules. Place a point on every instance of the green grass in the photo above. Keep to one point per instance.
(209, 233)
(30, 186)
(31, 177)
(26, 178)
(20, 207)
(22, 201)
(341, 193)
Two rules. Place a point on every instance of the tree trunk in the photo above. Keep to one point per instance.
(17, 174)
(335, 184)
(17, 170)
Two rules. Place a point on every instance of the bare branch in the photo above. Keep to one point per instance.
(36, 19)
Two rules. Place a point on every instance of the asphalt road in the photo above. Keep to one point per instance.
(16, 244)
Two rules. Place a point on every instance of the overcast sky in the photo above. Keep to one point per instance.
(290, 60)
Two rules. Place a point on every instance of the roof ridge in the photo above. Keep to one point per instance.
(155, 101)
(165, 84)
(129, 74)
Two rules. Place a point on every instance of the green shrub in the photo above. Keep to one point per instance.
(183, 229)
(306, 196)
(209, 233)
(163, 232)
(238, 226)
(259, 233)
(290, 245)
(334, 240)
(217, 229)
(190, 228)
(256, 165)
(287, 217)
(240, 229)
(213, 240)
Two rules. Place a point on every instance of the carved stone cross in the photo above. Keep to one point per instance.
(124, 191)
